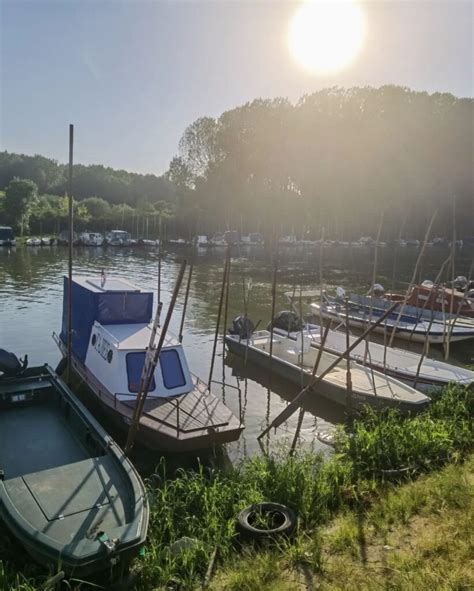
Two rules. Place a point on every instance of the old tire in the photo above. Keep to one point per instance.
(282, 520)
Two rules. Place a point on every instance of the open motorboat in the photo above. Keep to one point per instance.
(417, 312)
(406, 366)
(118, 238)
(111, 332)
(406, 326)
(294, 360)
(91, 239)
(439, 298)
(68, 493)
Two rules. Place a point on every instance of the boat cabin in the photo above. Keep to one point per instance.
(118, 238)
(7, 238)
(111, 332)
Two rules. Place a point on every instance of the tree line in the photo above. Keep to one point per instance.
(337, 159)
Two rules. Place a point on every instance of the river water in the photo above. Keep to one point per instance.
(31, 306)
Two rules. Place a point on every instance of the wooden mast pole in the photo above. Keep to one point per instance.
(296, 403)
(218, 322)
(71, 239)
(146, 380)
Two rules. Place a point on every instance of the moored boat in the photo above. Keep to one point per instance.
(67, 491)
(442, 299)
(118, 238)
(406, 326)
(7, 238)
(111, 333)
(421, 373)
(91, 239)
(294, 360)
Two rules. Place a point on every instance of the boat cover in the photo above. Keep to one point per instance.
(117, 302)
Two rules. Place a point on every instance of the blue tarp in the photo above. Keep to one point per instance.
(114, 307)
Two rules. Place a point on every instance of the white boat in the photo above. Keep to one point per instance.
(111, 333)
(218, 240)
(398, 363)
(33, 241)
(406, 327)
(202, 241)
(288, 241)
(294, 361)
(118, 238)
(91, 239)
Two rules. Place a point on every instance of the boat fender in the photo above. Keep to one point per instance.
(282, 520)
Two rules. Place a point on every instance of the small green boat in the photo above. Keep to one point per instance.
(67, 491)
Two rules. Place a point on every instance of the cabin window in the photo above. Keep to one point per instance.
(171, 369)
(135, 363)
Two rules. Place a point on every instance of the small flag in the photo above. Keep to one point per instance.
(103, 278)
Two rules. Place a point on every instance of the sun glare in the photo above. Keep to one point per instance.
(326, 36)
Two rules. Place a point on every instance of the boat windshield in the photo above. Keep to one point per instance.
(135, 363)
(171, 369)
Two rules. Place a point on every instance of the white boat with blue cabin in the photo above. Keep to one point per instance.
(111, 324)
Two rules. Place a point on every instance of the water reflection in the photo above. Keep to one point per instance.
(31, 306)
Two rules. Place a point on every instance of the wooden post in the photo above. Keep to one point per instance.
(451, 303)
(348, 365)
(420, 256)
(71, 240)
(159, 265)
(313, 373)
(226, 311)
(274, 280)
(188, 286)
(147, 379)
(290, 409)
(216, 334)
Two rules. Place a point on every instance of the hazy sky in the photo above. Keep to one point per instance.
(131, 75)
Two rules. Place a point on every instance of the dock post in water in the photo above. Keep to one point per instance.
(186, 297)
(313, 374)
(218, 322)
(296, 403)
(415, 271)
(71, 239)
(147, 376)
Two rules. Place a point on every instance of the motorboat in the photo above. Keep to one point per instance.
(118, 238)
(91, 239)
(400, 323)
(111, 328)
(7, 238)
(421, 372)
(294, 360)
(68, 493)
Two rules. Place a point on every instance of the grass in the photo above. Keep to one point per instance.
(366, 509)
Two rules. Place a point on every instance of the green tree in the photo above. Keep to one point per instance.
(20, 196)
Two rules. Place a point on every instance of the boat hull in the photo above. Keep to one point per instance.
(329, 390)
(161, 435)
(61, 488)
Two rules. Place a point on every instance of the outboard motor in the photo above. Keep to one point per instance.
(242, 327)
(10, 365)
(287, 321)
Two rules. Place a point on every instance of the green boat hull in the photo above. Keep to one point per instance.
(67, 491)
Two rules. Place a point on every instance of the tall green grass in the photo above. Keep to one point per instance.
(203, 504)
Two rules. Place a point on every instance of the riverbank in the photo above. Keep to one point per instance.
(360, 519)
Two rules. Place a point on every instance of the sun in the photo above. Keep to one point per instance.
(326, 36)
